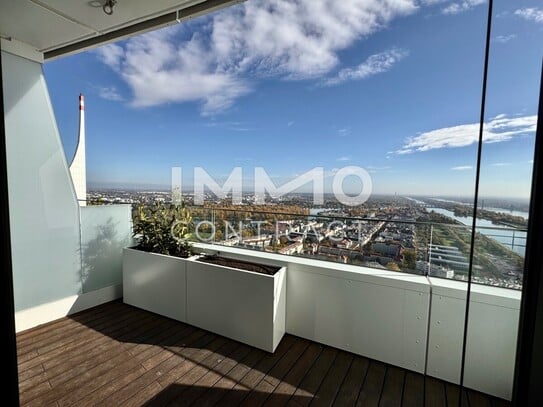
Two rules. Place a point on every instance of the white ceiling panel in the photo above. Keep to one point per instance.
(47, 25)
(125, 11)
(37, 26)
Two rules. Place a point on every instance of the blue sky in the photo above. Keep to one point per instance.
(391, 86)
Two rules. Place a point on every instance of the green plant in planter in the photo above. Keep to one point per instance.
(163, 229)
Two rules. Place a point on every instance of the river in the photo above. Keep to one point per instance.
(510, 238)
(522, 214)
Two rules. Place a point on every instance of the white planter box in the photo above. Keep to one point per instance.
(242, 305)
(155, 282)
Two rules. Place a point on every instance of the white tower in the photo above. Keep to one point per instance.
(78, 167)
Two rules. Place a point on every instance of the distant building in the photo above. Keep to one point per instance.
(388, 249)
(294, 248)
(434, 270)
(449, 257)
(78, 166)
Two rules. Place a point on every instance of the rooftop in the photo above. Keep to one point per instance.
(115, 354)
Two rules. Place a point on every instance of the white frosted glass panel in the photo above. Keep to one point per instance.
(44, 214)
(105, 231)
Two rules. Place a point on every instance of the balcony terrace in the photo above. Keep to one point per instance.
(115, 354)
(356, 332)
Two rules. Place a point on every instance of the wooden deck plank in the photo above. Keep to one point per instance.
(452, 392)
(281, 368)
(311, 382)
(211, 377)
(77, 341)
(227, 382)
(178, 387)
(288, 386)
(393, 387)
(34, 392)
(191, 359)
(413, 391)
(74, 334)
(92, 397)
(370, 393)
(33, 381)
(125, 390)
(203, 347)
(497, 402)
(34, 334)
(128, 369)
(27, 355)
(143, 396)
(108, 327)
(86, 342)
(326, 394)
(259, 393)
(348, 393)
(93, 366)
(101, 384)
(72, 375)
(434, 394)
(238, 393)
(63, 388)
(170, 340)
(477, 399)
(84, 354)
(118, 355)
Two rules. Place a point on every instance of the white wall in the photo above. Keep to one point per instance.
(59, 267)
(44, 214)
(491, 340)
(344, 310)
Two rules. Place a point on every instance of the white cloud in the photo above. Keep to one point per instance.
(462, 168)
(375, 169)
(502, 39)
(110, 93)
(159, 72)
(373, 65)
(432, 2)
(461, 6)
(230, 125)
(344, 158)
(500, 128)
(500, 164)
(261, 38)
(290, 124)
(111, 55)
(530, 13)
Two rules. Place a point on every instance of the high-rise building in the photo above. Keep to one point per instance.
(78, 166)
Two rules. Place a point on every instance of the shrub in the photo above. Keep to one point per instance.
(163, 229)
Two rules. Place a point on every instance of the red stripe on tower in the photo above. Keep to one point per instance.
(81, 102)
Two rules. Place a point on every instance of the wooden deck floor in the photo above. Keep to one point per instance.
(117, 355)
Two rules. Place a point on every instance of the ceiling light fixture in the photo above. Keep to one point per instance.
(108, 6)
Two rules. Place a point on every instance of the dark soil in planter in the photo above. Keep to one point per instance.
(240, 264)
(181, 254)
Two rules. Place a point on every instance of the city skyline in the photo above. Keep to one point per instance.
(393, 87)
